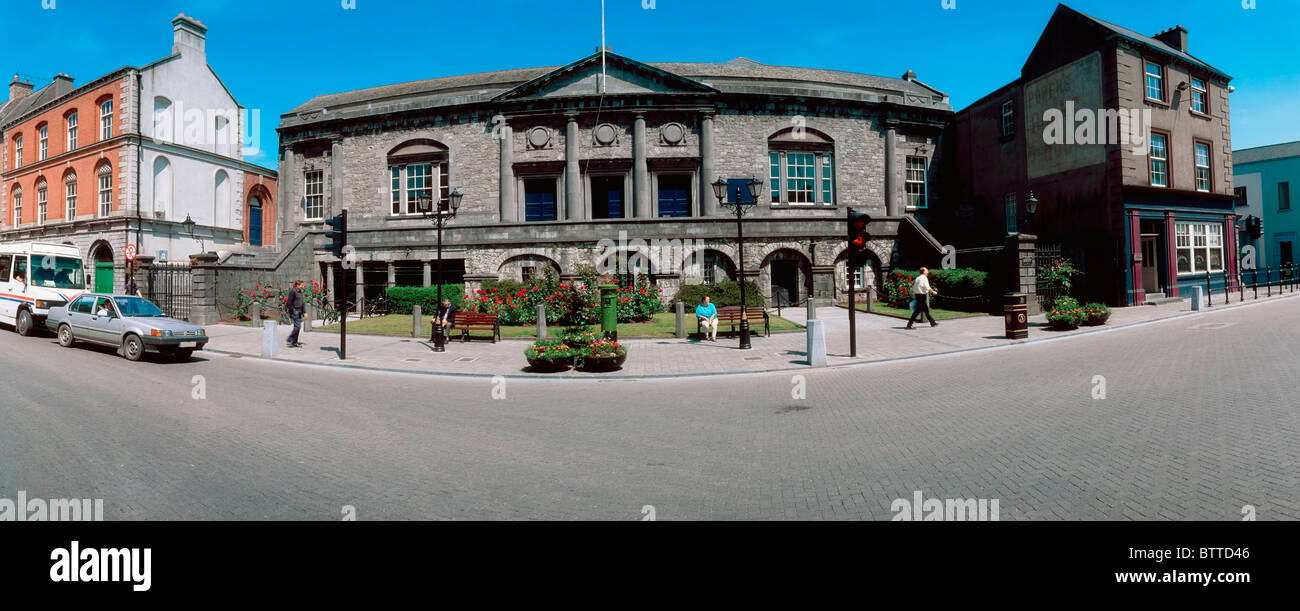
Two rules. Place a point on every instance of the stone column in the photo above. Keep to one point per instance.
(640, 175)
(824, 283)
(892, 205)
(428, 274)
(708, 203)
(574, 206)
(508, 209)
(361, 285)
(1020, 249)
(336, 178)
(392, 274)
(286, 202)
(203, 309)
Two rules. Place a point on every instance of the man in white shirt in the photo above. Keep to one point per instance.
(921, 291)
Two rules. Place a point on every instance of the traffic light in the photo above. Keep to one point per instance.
(858, 238)
(338, 233)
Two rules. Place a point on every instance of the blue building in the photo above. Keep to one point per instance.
(1262, 177)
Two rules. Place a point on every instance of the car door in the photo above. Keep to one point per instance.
(100, 327)
(78, 316)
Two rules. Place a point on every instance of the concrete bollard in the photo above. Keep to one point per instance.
(309, 313)
(541, 322)
(812, 310)
(681, 320)
(255, 311)
(816, 343)
(1198, 298)
(270, 343)
(417, 328)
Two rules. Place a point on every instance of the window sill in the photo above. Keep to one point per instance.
(1155, 102)
(1199, 115)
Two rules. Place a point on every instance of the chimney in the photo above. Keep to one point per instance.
(18, 89)
(909, 76)
(1175, 37)
(188, 36)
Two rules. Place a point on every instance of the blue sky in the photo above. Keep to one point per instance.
(277, 54)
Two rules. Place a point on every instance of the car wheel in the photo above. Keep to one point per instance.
(24, 325)
(132, 348)
(183, 355)
(65, 336)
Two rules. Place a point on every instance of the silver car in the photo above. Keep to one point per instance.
(131, 324)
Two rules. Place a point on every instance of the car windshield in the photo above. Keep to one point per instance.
(57, 272)
(137, 307)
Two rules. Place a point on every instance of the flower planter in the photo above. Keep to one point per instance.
(550, 365)
(603, 363)
(1062, 325)
(1095, 321)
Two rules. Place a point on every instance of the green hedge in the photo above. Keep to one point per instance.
(726, 293)
(960, 289)
(401, 298)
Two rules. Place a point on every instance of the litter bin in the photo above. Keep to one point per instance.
(1016, 314)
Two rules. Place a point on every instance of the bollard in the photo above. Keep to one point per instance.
(1198, 298)
(307, 316)
(816, 343)
(541, 321)
(417, 329)
(270, 343)
(681, 320)
(255, 312)
(812, 310)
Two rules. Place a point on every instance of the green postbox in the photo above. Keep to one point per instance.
(609, 310)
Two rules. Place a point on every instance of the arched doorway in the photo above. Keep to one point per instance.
(254, 221)
(788, 275)
(102, 253)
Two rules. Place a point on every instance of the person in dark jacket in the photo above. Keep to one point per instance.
(294, 307)
(446, 317)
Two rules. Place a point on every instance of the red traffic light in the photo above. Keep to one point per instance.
(859, 241)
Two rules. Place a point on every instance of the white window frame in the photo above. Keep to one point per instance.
(70, 197)
(43, 138)
(774, 159)
(18, 207)
(1199, 87)
(71, 140)
(1202, 169)
(18, 151)
(1202, 238)
(1158, 75)
(913, 186)
(1162, 160)
(106, 119)
(1009, 118)
(105, 179)
(795, 197)
(313, 190)
(827, 164)
(42, 202)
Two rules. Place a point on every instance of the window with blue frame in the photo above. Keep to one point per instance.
(606, 197)
(674, 196)
(539, 199)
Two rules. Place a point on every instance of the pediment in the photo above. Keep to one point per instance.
(623, 77)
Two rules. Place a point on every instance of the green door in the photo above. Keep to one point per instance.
(103, 276)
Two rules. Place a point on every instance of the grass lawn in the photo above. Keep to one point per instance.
(663, 325)
(904, 313)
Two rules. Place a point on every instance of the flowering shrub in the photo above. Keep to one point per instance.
(638, 298)
(582, 338)
(1096, 313)
(548, 350)
(1066, 313)
(566, 304)
(1055, 277)
(602, 348)
(897, 287)
(276, 298)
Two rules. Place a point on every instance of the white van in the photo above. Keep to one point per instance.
(35, 277)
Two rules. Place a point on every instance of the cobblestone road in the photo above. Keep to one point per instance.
(1200, 417)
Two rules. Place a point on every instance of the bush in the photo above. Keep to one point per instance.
(725, 293)
(548, 350)
(961, 289)
(638, 298)
(402, 298)
(1096, 313)
(1066, 312)
(1056, 277)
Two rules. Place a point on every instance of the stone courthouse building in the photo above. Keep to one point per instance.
(551, 161)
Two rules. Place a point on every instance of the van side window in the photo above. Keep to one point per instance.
(6, 261)
(82, 304)
(20, 267)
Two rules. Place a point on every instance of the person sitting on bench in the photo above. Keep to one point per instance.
(707, 313)
(446, 317)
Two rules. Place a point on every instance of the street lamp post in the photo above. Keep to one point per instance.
(446, 210)
(720, 191)
(1031, 206)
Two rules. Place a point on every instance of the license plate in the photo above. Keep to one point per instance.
(189, 344)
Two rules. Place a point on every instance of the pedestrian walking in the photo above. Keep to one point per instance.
(921, 291)
(132, 288)
(294, 306)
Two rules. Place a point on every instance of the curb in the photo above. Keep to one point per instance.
(705, 374)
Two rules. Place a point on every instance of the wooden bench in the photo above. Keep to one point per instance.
(474, 321)
(730, 316)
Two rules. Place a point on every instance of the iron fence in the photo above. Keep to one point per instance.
(171, 288)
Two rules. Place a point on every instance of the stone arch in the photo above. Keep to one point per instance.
(220, 198)
(163, 186)
(513, 267)
(871, 273)
(100, 259)
(265, 201)
(785, 275)
(696, 268)
(164, 123)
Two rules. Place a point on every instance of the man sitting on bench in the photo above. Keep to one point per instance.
(446, 317)
(707, 313)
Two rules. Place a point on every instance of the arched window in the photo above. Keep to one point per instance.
(105, 175)
(43, 141)
(164, 122)
(106, 118)
(802, 167)
(220, 198)
(70, 123)
(221, 130)
(162, 187)
(18, 206)
(417, 168)
(70, 196)
(708, 267)
(42, 200)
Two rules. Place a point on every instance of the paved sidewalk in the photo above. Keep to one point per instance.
(879, 338)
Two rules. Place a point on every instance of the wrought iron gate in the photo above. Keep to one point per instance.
(171, 288)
